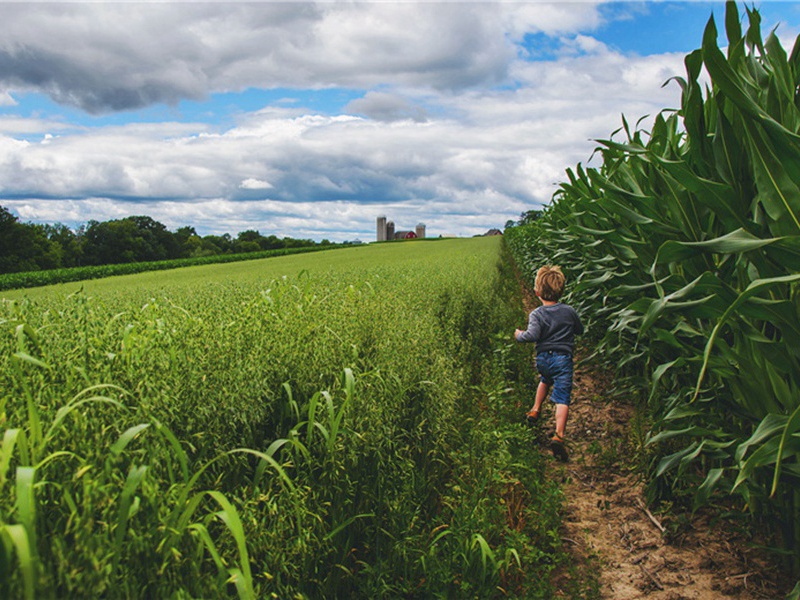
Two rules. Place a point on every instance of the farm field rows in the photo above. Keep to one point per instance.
(323, 425)
(684, 248)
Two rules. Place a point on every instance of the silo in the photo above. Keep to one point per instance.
(390, 230)
(420, 230)
(382, 228)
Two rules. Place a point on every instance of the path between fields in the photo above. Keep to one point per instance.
(608, 529)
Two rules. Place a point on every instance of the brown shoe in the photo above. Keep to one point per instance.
(558, 448)
(532, 416)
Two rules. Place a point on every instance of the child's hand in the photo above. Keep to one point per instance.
(517, 332)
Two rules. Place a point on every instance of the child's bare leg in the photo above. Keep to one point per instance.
(541, 394)
(562, 411)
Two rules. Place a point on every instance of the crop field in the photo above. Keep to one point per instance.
(320, 425)
(685, 248)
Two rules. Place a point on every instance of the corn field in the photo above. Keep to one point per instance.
(685, 246)
(295, 427)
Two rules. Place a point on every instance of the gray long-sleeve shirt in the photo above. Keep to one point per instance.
(553, 327)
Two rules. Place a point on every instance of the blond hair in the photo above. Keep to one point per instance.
(549, 284)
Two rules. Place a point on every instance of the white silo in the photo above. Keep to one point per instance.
(420, 230)
(382, 228)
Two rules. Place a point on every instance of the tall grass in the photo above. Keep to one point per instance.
(314, 434)
(685, 244)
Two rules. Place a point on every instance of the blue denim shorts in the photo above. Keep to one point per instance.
(556, 371)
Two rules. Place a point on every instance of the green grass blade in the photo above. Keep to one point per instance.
(26, 502)
(792, 428)
(183, 459)
(10, 438)
(230, 516)
(347, 522)
(127, 436)
(279, 470)
(202, 531)
(18, 536)
(132, 482)
(64, 411)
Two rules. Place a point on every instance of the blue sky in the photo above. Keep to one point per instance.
(311, 119)
(655, 28)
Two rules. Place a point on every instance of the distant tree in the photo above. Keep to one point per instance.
(41, 252)
(249, 236)
(109, 242)
(69, 241)
(157, 242)
(529, 216)
(271, 242)
(132, 239)
(243, 247)
(207, 248)
(190, 243)
(25, 246)
(294, 243)
(247, 241)
(9, 241)
(184, 233)
(222, 243)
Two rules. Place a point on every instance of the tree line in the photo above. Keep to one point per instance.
(36, 247)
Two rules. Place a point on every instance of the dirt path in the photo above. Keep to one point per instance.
(611, 532)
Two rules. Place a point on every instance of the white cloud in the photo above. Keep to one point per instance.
(13, 125)
(271, 172)
(551, 18)
(106, 57)
(7, 100)
(119, 55)
(255, 184)
(383, 106)
(432, 138)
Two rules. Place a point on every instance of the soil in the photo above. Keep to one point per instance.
(610, 531)
(614, 538)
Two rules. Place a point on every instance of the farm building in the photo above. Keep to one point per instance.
(386, 231)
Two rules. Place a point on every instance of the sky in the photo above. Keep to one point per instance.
(310, 120)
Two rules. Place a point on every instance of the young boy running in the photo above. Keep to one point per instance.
(552, 327)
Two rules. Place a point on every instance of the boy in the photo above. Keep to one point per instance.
(553, 327)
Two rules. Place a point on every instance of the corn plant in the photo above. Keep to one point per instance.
(685, 245)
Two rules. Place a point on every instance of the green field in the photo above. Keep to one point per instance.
(253, 271)
(684, 249)
(323, 425)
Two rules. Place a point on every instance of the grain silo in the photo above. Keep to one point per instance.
(390, 230)
(382, 228)
(420, 230)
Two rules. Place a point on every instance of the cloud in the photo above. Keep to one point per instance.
(454, 127)
(485, 157)
(383, 106)
(551, 18)
(255, 184)
(7, 100)
(120, 56)
(11, 125)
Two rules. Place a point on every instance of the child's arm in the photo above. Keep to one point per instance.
(532, 333)
(578, 325)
